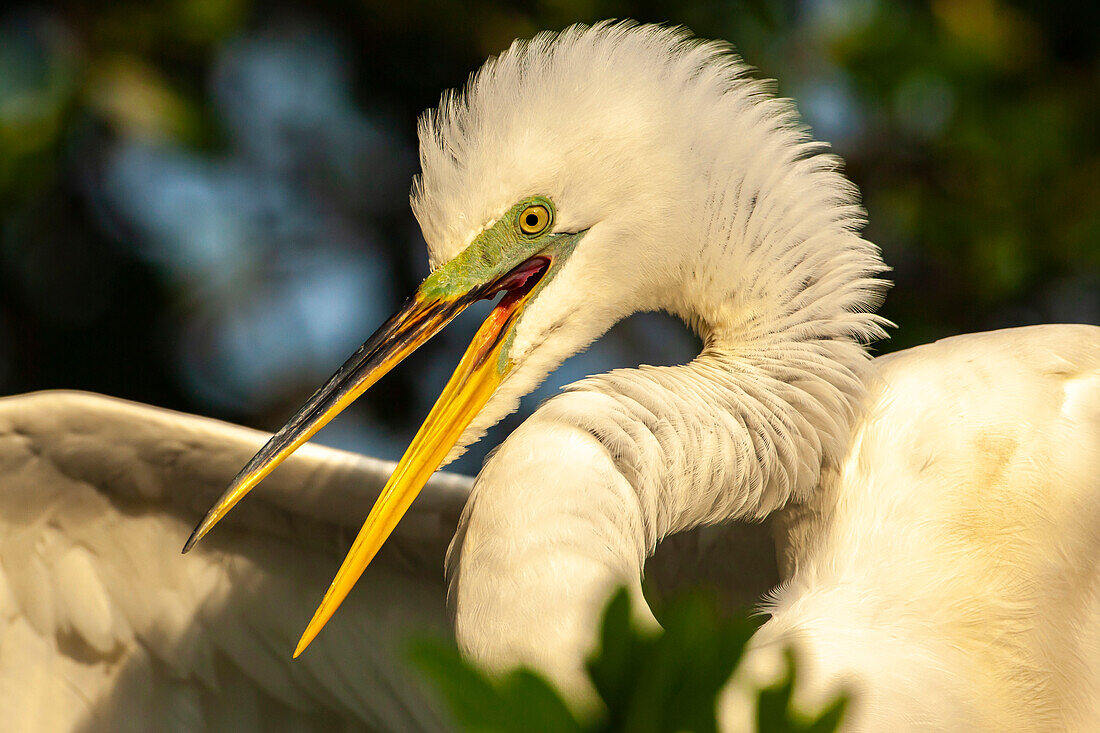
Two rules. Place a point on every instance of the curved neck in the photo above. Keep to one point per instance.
(780, 287)
(577, 498)
(550, 527)
(735, 434)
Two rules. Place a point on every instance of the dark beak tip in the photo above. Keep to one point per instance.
(191, 540)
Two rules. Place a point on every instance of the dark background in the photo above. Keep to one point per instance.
(203, 203)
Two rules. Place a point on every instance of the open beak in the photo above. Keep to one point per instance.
(479, 373)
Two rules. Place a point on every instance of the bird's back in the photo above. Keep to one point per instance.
(955, 552)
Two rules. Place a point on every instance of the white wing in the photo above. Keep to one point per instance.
(105, 626)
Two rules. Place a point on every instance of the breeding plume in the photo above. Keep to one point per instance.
(935, 511)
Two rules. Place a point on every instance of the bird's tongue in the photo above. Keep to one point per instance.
(516, 284)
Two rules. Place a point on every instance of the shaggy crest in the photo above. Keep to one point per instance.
(703, 194)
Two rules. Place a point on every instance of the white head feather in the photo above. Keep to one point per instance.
(702, 193)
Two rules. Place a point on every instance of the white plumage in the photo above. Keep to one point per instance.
(701, 195)
(104, 627)
(935, 511)
(948, 568)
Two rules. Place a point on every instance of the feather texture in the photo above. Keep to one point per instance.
(918, 528)
(105, 626)
(702, 195)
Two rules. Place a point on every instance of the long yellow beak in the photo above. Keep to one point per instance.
(479, 373)
(416, 322)
(471, 385)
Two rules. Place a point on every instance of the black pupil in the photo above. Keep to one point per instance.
(532, 220)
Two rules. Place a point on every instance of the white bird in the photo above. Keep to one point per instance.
(935, 511)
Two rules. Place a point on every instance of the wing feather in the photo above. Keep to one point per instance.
(105, 626)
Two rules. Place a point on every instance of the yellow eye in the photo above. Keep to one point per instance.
(534, 219)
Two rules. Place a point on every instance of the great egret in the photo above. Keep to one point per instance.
(936, 509)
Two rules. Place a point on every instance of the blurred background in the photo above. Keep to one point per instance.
(204, 203)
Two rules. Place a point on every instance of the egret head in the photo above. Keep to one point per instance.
(599, 125)
(574, 178)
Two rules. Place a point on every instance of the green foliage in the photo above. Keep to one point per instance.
(977, 151)
(648, 681)
(775, 714)
(666, 681)
(518, 701)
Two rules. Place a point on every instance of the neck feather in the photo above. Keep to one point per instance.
(578, 497)
(780, 286)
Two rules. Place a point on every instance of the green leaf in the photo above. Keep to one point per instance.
(535, 705)
(652, 683)
(619, 655)
(520, 701)
(471, 697)
(774, 703)
(829, 720)
(774, 713)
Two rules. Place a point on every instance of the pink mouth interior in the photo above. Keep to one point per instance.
(518, 278)
(516, 285)
(520, 281)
